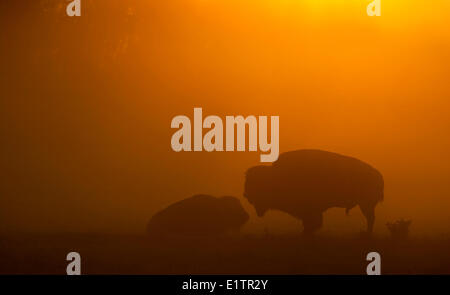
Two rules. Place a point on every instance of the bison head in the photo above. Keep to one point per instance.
(236, 215)
(258, 190)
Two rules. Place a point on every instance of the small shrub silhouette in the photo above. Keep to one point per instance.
(399, 229)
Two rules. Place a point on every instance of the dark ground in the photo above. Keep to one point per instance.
(127, 254)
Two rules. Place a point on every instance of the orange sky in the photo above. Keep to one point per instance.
(88, 103)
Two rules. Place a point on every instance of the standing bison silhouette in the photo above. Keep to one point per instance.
(199, 215)
(305, 183)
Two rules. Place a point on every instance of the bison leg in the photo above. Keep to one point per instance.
(312, 222)
(368, 210)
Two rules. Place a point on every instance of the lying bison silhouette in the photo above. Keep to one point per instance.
(199, 215)
(305, 183)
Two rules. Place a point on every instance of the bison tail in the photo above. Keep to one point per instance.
(347, 211)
